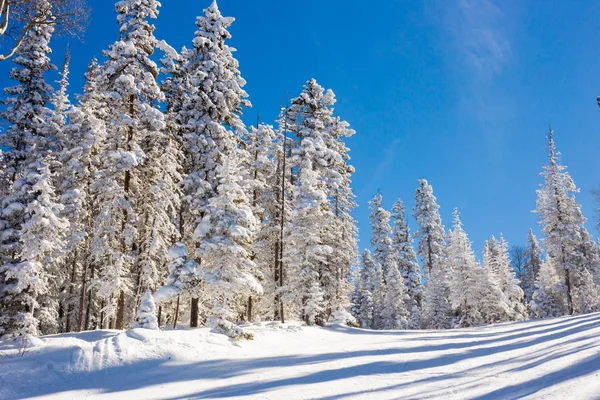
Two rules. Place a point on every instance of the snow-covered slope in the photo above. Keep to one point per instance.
(552, 359)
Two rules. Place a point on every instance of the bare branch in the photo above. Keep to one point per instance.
(68, 17)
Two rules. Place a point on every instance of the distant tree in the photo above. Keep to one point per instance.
(517, 261)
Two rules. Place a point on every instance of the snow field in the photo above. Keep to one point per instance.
(548, 359)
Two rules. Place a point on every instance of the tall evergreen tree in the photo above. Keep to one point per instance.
(497, 261)
(406, 259)
(533, 262)
(134, 125)
(562, 224)
(464, 290)
(210, 122)
(431, 232)
(322, 185)
(381, 232)
(31, 229)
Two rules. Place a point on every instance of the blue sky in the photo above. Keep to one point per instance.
(459, 92)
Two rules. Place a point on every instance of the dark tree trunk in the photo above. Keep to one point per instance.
(176, 316)
(194, 313)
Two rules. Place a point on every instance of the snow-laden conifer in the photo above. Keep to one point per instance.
(32, 231)
(146, 314)
(406, 259)
(430, 235)
(562, 225)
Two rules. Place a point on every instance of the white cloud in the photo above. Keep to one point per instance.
(478, 34)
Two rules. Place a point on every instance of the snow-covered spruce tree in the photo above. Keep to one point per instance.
(437, 308)
(79, 146)
(365, 295)
(547, 294)
(209, 119)
(185, 276)
(270, 239)
(260, 166)
(318, 146)
(61, 106)
(135, 124)
(31, 230)
(406, 259)
(380, 234)
(497, 261)
(562, 225)
(533, 262)
(344, 228)
(587, 289)
(464, 290)
(394, 313)
(146, 314)
(430, 234)
(306, 252)
(225, 237)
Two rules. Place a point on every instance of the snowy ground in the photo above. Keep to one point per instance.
(552, 359)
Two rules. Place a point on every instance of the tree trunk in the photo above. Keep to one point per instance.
(194, 313)
(569, 291)
(82, 303)
(102, 314)
(175, 317)
(69, 305)
(120, 311)
(159, 316)
(88, 308)
(127, 188)
(277, 300)
(249, 310)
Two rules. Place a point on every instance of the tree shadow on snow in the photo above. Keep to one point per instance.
(157, 372)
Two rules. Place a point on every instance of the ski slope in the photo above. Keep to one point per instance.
(550, 359)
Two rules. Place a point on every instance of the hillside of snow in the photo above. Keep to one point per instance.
(549, 359)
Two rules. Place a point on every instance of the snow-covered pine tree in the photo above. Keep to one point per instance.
(395, 313)
(306, 252)
(146, 314)
(61, 105)
(562, 225)
(548, 293)
(261, 147)
(437, 308)
(270, 240)
(225, 237)
(496, 261)
(378, 289)
(31, 229)
(380, 234)
(365, 295)
(430, 234)
(79, 146)
(185, 275)
(464, 288)
(406, 259)
(533, 262)
(344, 228)
(135, 124)
(209, 118)
(319, 145)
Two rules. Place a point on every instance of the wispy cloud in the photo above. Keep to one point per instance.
(478, 35)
